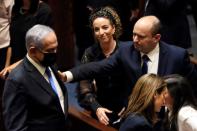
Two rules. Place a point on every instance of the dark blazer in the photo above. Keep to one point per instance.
(127, 60)
(29, 103)
(136, 123)
(102, 96)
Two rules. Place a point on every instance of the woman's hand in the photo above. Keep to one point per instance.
(4, 73)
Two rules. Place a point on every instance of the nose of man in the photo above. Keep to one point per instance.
(135, 39)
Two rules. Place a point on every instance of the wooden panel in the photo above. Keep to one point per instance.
(84, 116)
(63, 26)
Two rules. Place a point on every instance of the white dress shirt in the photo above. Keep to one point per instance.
(154, 60)
(42, 69)
(187, 119)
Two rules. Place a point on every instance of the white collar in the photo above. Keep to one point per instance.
(39, 67)
(151, 55)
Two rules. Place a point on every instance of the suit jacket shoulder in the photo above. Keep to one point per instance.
(34, 99)
(136, 123)
(171, 48)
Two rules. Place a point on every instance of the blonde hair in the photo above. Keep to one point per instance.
(141, 99)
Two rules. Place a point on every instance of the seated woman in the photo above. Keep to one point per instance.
(181, 103)
(145, 102)
(110, 95)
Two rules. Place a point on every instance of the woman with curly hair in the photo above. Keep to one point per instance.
(105, 96)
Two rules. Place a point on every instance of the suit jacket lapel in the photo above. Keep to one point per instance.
(38, 78)
(42, 82)
(163, 59)
(63, 88)
(136, 60)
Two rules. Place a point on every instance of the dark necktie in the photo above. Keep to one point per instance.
(51, 81)
(145, 60)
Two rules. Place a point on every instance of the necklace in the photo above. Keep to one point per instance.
(108, 53)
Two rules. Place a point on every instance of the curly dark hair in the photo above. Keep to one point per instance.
(111, 14)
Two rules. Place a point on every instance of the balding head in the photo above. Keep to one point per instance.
(146, 33)
(150, 23)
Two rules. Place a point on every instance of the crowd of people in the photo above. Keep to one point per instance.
(146, 83)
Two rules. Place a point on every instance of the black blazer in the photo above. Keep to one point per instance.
(29, 103)
(136, 123)
(102, 96)
(172, 60)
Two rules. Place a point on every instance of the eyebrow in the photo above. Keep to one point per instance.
(139, 35)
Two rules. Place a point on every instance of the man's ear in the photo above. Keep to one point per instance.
(157, 37)
(32, 50)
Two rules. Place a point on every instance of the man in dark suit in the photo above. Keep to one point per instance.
(34, 98)
(164, 59)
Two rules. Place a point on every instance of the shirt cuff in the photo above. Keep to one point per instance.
(69, 76)
(94, 106)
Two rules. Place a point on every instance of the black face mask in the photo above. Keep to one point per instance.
(49, 59)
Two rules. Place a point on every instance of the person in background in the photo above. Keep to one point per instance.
(103, 95)
(145, 102)
(125, 11)
(34, 98)
(5, 16)
(26, 14)
(84, 37)
(193, 5)
(173, 17)
(181, 103)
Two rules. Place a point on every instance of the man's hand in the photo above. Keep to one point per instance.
(101, 114)
(62, 76)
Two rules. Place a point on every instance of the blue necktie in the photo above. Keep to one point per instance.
(51, 81)
(145, 65)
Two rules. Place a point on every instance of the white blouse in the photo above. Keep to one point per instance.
(4, 25)
(187, 119)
